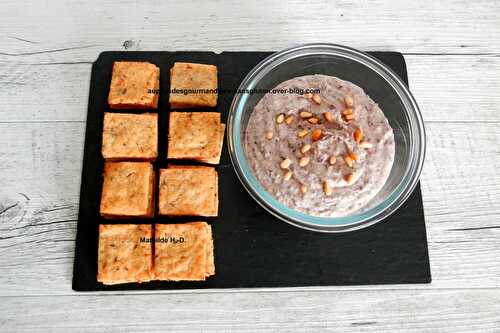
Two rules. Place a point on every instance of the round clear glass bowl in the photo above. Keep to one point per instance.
(380, 83)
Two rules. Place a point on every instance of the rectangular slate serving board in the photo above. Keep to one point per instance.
(252, 248)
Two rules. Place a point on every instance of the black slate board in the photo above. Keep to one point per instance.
(252, 248)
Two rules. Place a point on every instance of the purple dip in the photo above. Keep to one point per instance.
(343, 169)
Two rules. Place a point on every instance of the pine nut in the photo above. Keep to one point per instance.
(327, 189)
(304, 161)
(280, 118)
(305, 114)
(348, 161)
(365, 145)
(287, 175)
(302, 133)
(349, 117)
(305, 148)
(316, 99)
(358, 135)
(353, 156)
(316, 134)
(313, 120)
(289, 120)
(285, 164)
(348, 101)
(333, 160)
(328, 116)
(303, 188)
(269, 135)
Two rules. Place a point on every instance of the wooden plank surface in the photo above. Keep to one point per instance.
(336, 311)
(77, 30)
(452, 52)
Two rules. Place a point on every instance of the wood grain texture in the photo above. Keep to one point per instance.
(46, 51)
(336, 311)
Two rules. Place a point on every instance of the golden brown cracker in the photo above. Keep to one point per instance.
(125, 253)
(134, 84)
(130, 136)
(195, 135)
(193, 85)
(128, 190)
(180, 252)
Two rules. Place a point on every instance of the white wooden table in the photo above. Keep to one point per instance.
(452, 49)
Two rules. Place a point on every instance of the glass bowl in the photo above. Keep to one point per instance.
(380, 83)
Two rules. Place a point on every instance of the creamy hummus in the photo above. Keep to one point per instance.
(325, 154)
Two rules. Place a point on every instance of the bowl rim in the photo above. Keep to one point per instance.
(310, 222)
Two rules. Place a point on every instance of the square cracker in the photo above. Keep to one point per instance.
(183, 252)
(188, 191)
(128, 190)
(125, 253)
(193, 85)
(195, 135)
(134, 84)
(130, 136)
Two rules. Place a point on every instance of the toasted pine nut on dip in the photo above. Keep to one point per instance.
(339, 147)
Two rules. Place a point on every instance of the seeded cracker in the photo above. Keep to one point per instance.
(199, 81)
(197, 136)
(128, 190)
(184, 252)
(188, 191)
(130, 136)
(134, 85)
(122, 257)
